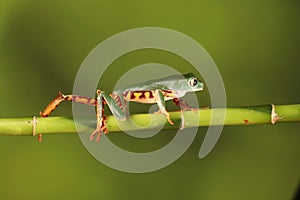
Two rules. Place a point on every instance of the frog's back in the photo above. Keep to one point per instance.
(164, 83)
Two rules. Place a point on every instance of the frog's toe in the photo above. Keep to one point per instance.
(169, 120)
(98, 132)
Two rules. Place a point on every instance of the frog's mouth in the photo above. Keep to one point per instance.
(200, 88)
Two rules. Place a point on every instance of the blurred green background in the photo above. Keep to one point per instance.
(255, 44)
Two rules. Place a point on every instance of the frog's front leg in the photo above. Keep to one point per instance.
(117, 108)
(161, 104)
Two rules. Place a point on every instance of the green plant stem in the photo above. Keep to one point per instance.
(234, 116)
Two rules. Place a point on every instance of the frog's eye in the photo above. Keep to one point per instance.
(193, 82)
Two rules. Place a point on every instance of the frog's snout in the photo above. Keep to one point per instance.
(201, 86)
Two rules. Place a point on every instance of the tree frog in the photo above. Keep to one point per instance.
(152, 92)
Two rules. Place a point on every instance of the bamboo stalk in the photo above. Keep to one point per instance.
(249, 115)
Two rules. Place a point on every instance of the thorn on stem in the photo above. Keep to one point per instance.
(39, 137)
(34, 122)
(274, 116)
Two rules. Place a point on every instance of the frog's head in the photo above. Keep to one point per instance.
(186, 83)
(192, 84)
(180, 84)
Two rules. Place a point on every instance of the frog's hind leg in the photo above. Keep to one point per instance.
(101, 125)
(184, 106)
(118, 109)
(60, 98)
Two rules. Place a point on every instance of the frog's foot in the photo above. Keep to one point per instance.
(169, 120)
(190, 109)
(165, 114)
(204, 108)
(99, 130)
